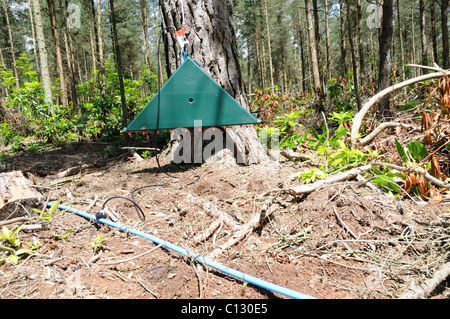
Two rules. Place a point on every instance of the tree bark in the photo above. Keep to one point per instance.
(144, 19)
(11, 43)
(445, 47)
(385, 67)
(433, 31)
(352, 50)
(45, 73)
(33, 35)
(400, 31)
(362, 68)
(118, 57)
(314, 58)
(327, 43)
(91, 37)
(302, 47)
(269, 46)
(212, 42)
(62, 80)
(70, 57)
(101, 59)
(343, 43)
(318, 46)
(423, 34)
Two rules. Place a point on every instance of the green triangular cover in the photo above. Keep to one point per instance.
(192, 95)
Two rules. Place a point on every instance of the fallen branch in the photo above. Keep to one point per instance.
(369, 138)
(424, 290)
(358, 119)
(306, 189)
(247, 228)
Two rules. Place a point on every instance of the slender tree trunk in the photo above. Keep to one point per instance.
(43, 54)
(11, 43)
(343, 43)
(69, 57)
(433, 30)
(144, 19)
(318, 42)
(33, 35)
(101, 58)
(413, 36)
(423, 34)
(362, 68)
(327, 43)
(385, 68)
(263, 44)
(62, 80)
(212, 42)
(302, 47)
(118, 57)
(352, 50)
(445, 49)
(402, 52)
(91, 37)
(269, 46)
(314, 58)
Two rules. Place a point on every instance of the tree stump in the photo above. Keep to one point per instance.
(17, 198)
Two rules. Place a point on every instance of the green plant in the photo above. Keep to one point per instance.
(311, 175)
(15, 246)
(50, 216)
(98, 243)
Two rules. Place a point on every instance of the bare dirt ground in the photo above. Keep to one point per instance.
(345, 241)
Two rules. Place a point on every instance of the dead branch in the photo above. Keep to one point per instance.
(358, 119)
(424, 290)
(247, 228)
(306, 189)
(369, 138)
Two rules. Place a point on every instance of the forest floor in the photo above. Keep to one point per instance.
(343, 241)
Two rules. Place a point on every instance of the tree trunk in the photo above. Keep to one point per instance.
(269, 46)
(314, 58)
(43, 54)
(33, 35)
(263, 45)
(385, 68)
(144, 19)
(118, 57)
(70, 57)
(101, 59)
(62, 80)
(423, 35)
(362, 69)
(302, 47)
(343, 43)
(212, 42)
(352, 50)
(402, 53)
(11, 43)
(433, 30)
(91, 37)
(318, 46)
(327, 43)
(445, 49)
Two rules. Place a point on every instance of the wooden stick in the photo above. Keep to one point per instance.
(357, 120)
(306, 189)
(422, 291)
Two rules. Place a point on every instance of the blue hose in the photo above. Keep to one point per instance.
(237, 274)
